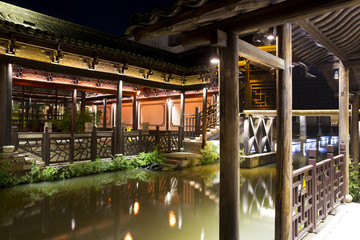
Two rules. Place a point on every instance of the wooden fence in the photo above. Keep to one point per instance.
(70, 147)
(317, 189)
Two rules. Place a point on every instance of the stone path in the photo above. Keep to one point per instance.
(343, 226)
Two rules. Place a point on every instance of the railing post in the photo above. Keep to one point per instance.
(312, 161)
(180, 139)
(197, 121)
(344, 162)
(330, 155)
(72, 142)
(157, 136)
(93, 144)
(46, 147)
(114, 141)
(122, 140)
(140, 142)
(14, 136)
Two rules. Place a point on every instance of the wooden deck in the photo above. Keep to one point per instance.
(343, 225)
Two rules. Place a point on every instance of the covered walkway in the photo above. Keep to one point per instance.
(344, 225)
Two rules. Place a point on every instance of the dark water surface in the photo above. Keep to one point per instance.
(140, 205)
(143, 205)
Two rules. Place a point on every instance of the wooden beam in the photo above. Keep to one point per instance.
(265, 17)
(344, 118)
(321, 38)
(255, 54)
(229, 140)
(283, 199)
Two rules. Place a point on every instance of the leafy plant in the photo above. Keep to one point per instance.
(6, 178)
(36, 173)
(49, 174)
(241, 156)
(209, 154)
(145, 159)
(354, 183)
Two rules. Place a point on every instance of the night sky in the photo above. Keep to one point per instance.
(110, 16)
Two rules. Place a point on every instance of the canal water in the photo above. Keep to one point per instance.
(139, 205)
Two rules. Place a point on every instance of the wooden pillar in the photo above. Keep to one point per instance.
(302, 135)
(247, 90)
(135, 114)
(82, 105)
(5, 103)
(204, 118)
(344, 118)
(56, 104)
(118, 115)
(22, 109)
(283, 204)
(229, 140)
(354, 134)
(182, 112)
(104, 112)
(73, 116)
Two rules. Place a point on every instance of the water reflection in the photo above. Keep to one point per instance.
(141, 205)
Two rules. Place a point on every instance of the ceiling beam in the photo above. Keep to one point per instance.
(321, 38)
(274, 15)
(255, 54)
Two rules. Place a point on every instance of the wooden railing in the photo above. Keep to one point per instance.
(193, 123)
(70, 147)
(317, 189)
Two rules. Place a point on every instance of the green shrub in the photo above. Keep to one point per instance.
(36, 173)
(49, 174)
(146, 159)
(6, 178)
(241, 156)
(64, 175)
(354, 183)
(209, 154)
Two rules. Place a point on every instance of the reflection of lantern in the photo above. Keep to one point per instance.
(172, 219)
(128, 237)
(136, 208)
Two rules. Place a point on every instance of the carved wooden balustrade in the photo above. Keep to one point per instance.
(69, 147)
(317, 189)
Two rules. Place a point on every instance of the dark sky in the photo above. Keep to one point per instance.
(110, 16)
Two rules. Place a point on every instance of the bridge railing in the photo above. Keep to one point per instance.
(317, 189)
(79, 146)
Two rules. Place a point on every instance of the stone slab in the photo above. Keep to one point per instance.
(257, 160)
(7, 149)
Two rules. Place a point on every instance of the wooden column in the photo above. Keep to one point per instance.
(229, 140)
(118, 115)
(82, 104)
(22, 109)
(302, 134)
(344, 117)
(354, 134)
(182, 111)
(204, 118)
(104, 112)
(247, 90)
(5, 103)
(56, 104)
(73, 116)
(283, 204)
(135, 114)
